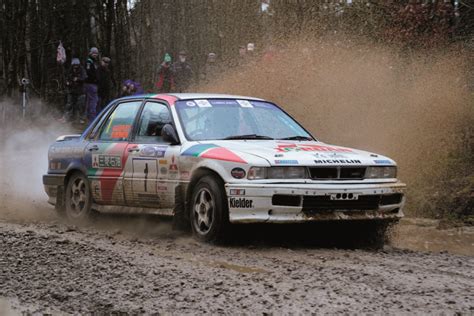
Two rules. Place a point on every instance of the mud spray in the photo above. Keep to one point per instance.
(23, 161)
(412, 109)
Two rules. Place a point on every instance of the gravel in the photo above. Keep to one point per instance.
(148, 269)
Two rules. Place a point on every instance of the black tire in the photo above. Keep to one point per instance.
(78, 199)
(209, 212)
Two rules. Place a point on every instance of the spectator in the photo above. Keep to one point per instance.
(250, 48)
(183, 73)
(165, 82)
(251, 53)
(242, 58)
(136, 88)
(91, 82)
(104, 85)
(130, 87)
(125, 90)
(210, 69)
(242, 52)
(75, 93)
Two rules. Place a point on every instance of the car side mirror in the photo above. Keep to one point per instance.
(169, 135)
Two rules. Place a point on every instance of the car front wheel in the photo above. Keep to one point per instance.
(78, 198)
(209, 210)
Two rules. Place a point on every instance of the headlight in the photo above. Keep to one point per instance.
(380, 172)
(256, 173)
(277, 173)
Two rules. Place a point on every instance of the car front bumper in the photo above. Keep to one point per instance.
(283, 203)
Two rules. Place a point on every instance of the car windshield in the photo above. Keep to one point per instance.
(212, 119)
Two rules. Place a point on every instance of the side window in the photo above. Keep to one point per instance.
(154, 116)
(119, 124)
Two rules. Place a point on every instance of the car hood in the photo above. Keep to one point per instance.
(305, 153)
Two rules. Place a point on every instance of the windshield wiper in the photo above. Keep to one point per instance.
(248, 136)
(298, 137)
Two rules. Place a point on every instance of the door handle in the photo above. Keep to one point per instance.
(133, 149)
(94, 148)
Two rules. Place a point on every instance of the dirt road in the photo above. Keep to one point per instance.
(139, 265)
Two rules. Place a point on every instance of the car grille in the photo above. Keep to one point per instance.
(324, 203)
(341, 173)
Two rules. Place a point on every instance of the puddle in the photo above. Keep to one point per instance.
(422, 235)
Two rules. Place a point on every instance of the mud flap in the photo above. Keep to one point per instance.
(60, 202)
(180, 216)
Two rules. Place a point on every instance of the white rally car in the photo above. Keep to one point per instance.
(212, 160)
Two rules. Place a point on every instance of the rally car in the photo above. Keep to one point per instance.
(212, 160)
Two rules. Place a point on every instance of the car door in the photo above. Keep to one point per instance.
(106, 155)
(151, 161)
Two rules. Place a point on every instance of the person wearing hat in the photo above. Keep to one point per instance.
(75, 92)
(166, 81)
(91, 83)
(183, 73)
(130, 87)
(211, 69)
(104, 83)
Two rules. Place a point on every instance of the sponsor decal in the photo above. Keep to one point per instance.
(212, 151)
(148, 152)
(329, 155)
(173, 165)
(108, 168)
(162, 188)
(106, 161)
(96, 190)
(163, 162)
(245, 103)
(309, 148)
(238, 173)
(164, 170)
(173, 169)
(240, 203)
(160, 151)
(120, 131)
(65, 152)
(331, 161)
(203, 103)
(190, 103)
(153, 151)
(286, 162)
(383, 162)
(223, 102)
(185, 175)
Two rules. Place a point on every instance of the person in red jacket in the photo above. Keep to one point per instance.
(165, 82)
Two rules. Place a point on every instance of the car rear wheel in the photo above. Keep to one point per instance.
(209, 210)
(78, 198)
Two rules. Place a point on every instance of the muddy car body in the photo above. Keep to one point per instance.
(211, 160)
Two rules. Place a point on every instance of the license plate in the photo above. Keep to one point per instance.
(344, 196)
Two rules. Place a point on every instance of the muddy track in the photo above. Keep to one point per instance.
(53, 267)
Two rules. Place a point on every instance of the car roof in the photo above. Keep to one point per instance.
(190, 96)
